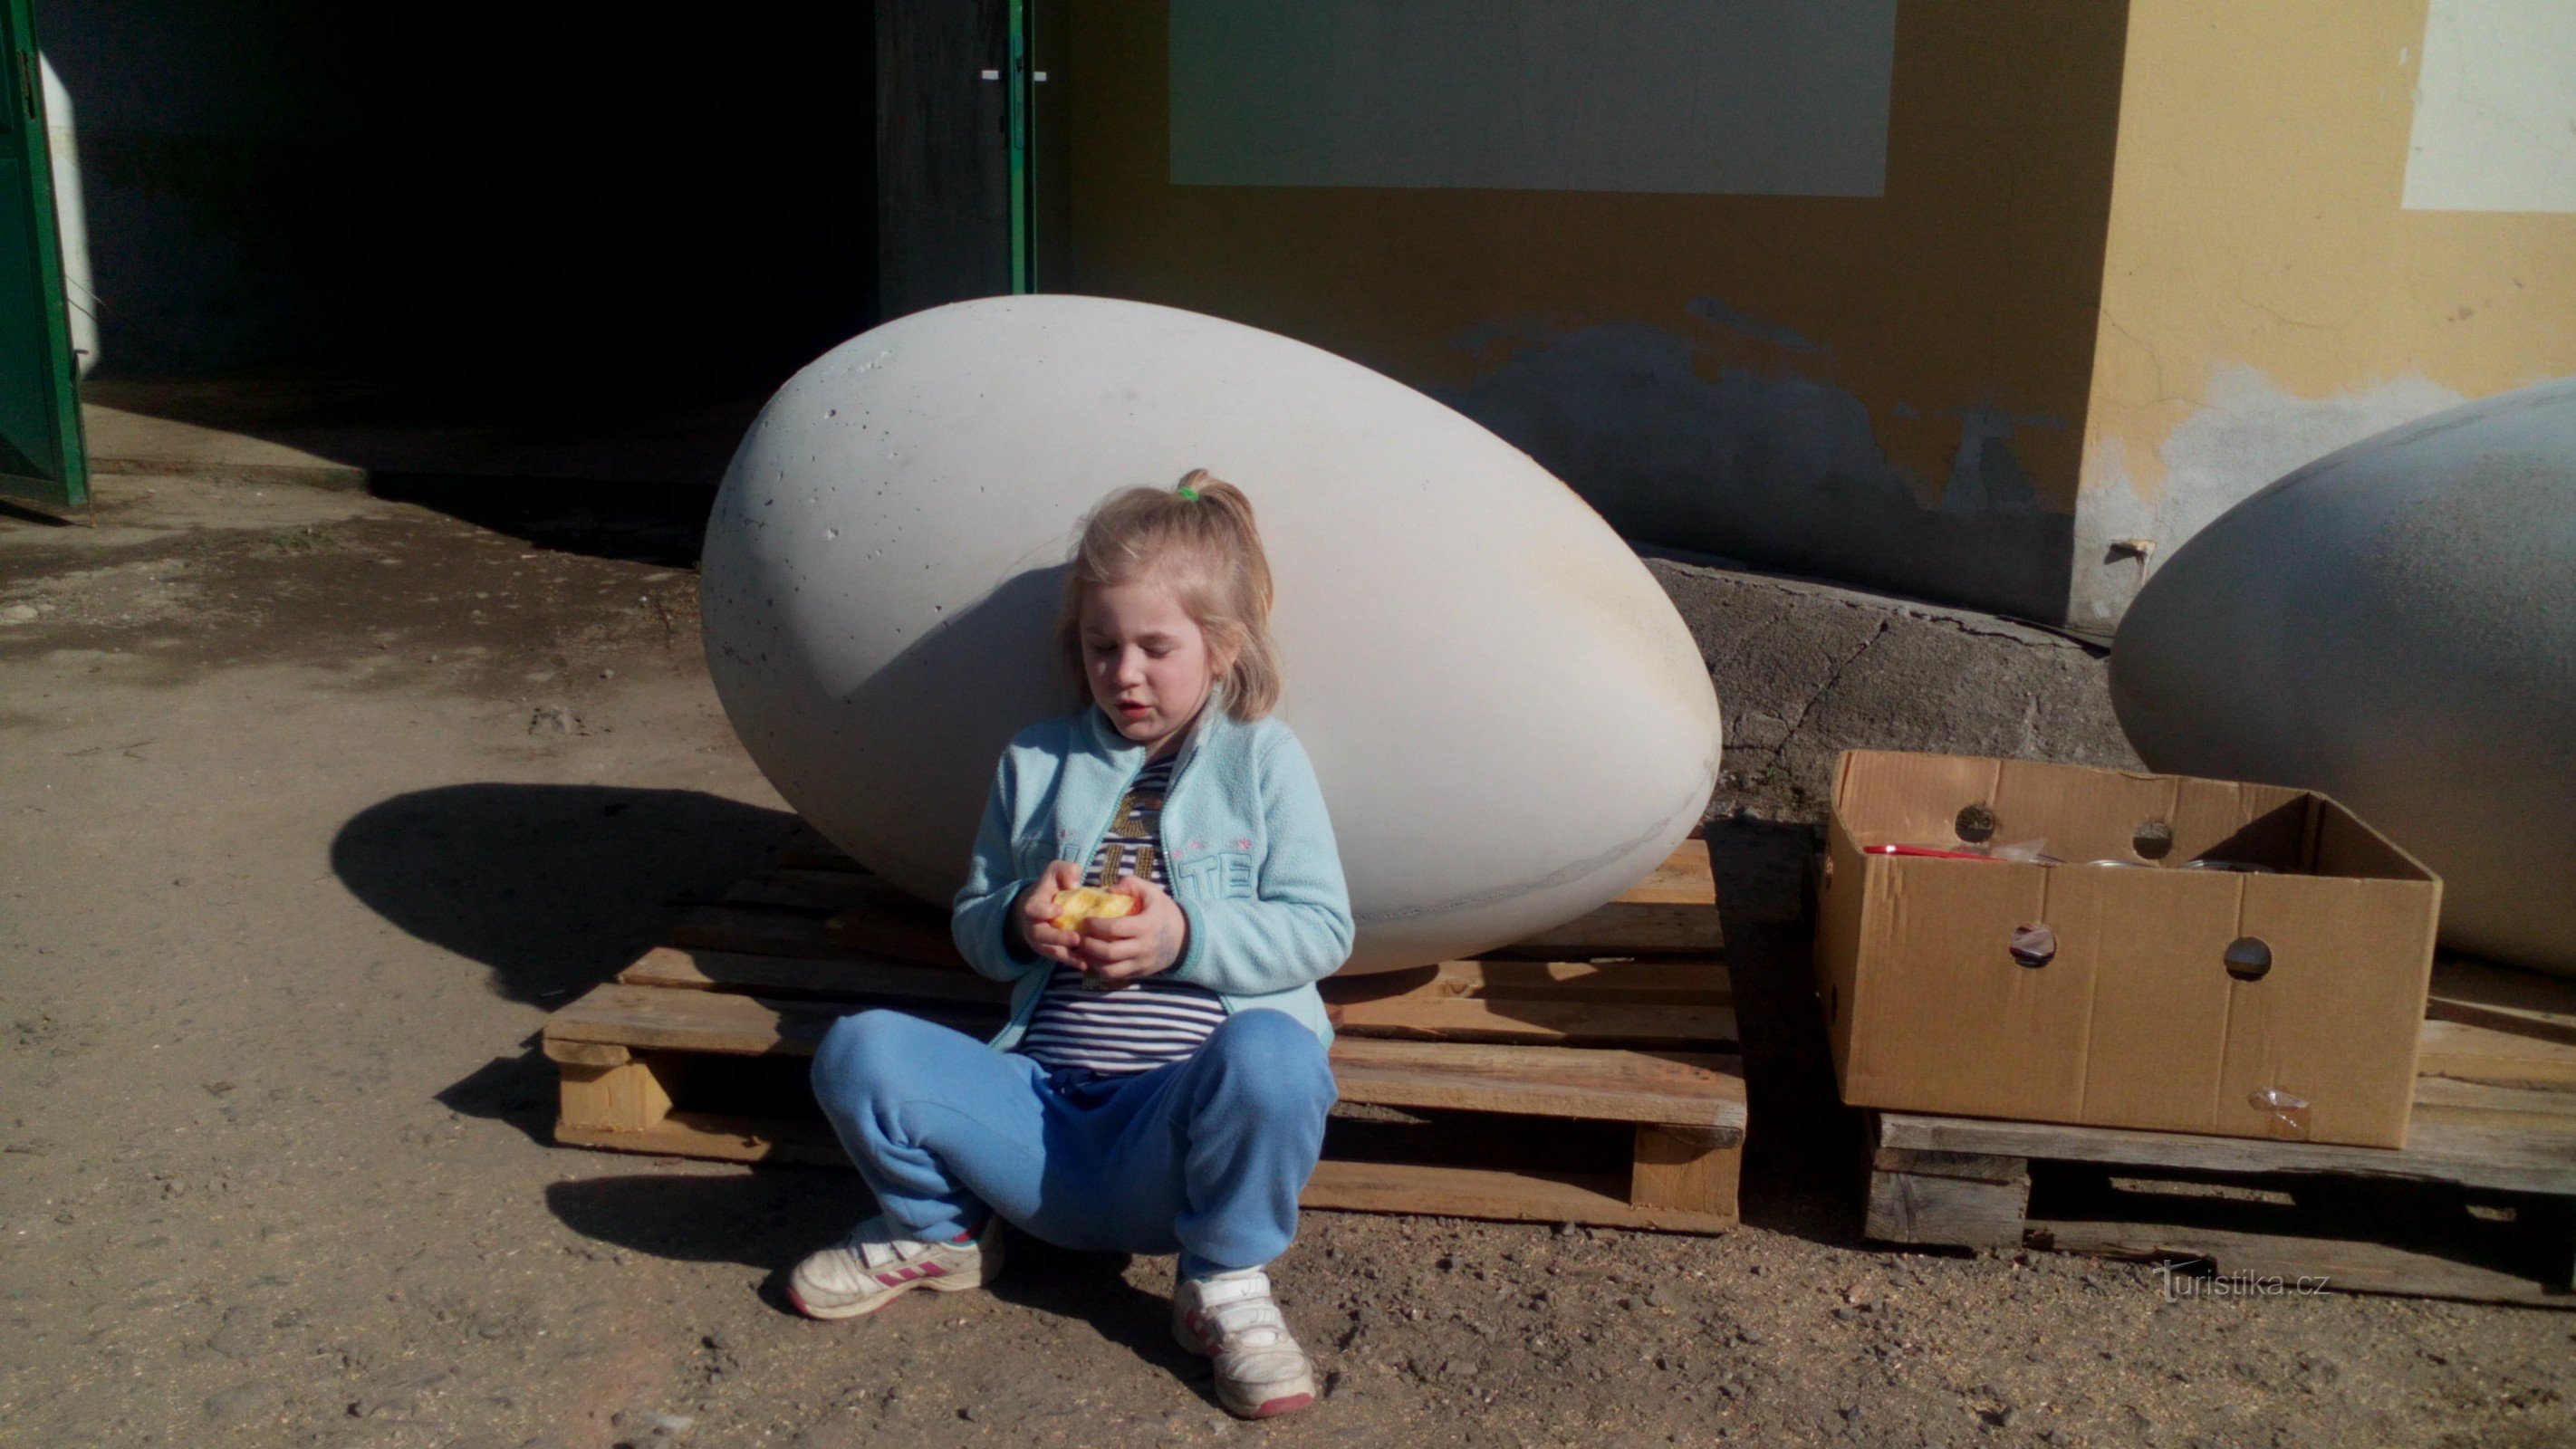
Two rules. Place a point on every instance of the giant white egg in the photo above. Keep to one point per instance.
(2395, 625)
(1510, 722)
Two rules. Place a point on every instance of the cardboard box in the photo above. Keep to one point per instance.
(2178, 998)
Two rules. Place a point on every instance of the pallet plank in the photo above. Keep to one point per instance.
(2347, 1267)
(2476, 1052)
(1565, 1023)
(1684, 879)
(1469, 1192)
(1705, 1091)
(716, 1137)
(1696, 982)
(2525, 1003)
(1970, 1166)
(2468, 1145)
(853, 976)
(1622, 929)
(661, 1019)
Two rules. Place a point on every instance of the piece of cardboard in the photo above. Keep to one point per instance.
(2139, 1019)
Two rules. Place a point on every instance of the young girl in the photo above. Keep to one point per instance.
(1161, 1086)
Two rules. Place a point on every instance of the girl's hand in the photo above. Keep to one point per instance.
(1037, 914)
(1120, 949)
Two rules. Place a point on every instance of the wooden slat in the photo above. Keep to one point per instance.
(1563, 1023)
(1696, 982)
(662, 1019)
(1468, 1192)
(1619, 929)
(1684, 879)
(1954, 1212)
(851, 977)
(2495, 1106)
(1611, 1086)
(1967, 1166)
(2474, 1146)
(1669, 1003)
(2500, 998)
(759, 931)
(2346, 1266)
(586, 1054)
(716, 1137)
(2475, 1052)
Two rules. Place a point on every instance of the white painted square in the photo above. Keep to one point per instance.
(2495, 108)
(1722, 97)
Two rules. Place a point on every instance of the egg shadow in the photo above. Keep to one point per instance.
(925, 729)
(555, 888)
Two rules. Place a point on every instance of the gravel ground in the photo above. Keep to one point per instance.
(316, 803)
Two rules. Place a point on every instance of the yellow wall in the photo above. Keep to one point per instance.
(1889, 390)
(2266, 297)
(2131, 262)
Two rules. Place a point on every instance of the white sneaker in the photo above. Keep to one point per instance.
(1230, 1317)
(867, 1271)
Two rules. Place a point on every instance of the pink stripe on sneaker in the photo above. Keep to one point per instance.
(933, 1270)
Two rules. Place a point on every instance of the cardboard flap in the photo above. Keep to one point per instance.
(2084, 814)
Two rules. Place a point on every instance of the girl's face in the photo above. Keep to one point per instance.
(1147, 661)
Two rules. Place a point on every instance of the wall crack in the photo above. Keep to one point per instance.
(1780, 751)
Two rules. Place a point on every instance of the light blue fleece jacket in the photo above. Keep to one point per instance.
(1246, 841)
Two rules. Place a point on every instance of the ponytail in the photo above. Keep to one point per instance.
(1201, 535)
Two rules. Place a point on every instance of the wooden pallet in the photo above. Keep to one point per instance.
(2480, 1204)
(1616, 1031)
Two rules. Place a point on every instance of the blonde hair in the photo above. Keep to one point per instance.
(1200, 538)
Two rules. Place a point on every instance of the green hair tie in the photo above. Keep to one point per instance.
(1189, 495)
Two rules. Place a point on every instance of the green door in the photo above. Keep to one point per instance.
(40, 438)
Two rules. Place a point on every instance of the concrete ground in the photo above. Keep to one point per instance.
(313, 804)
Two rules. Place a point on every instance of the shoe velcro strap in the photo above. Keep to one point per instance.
(1214, 1292)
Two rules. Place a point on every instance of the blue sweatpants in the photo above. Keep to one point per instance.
(1204, 1157)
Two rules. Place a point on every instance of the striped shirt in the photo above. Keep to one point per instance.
(1144, 1024)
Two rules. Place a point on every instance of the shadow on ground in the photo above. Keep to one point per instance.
(767, 1218)
(773, 1216)
(1802, 1146)
(662, 524)
(554, 887)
